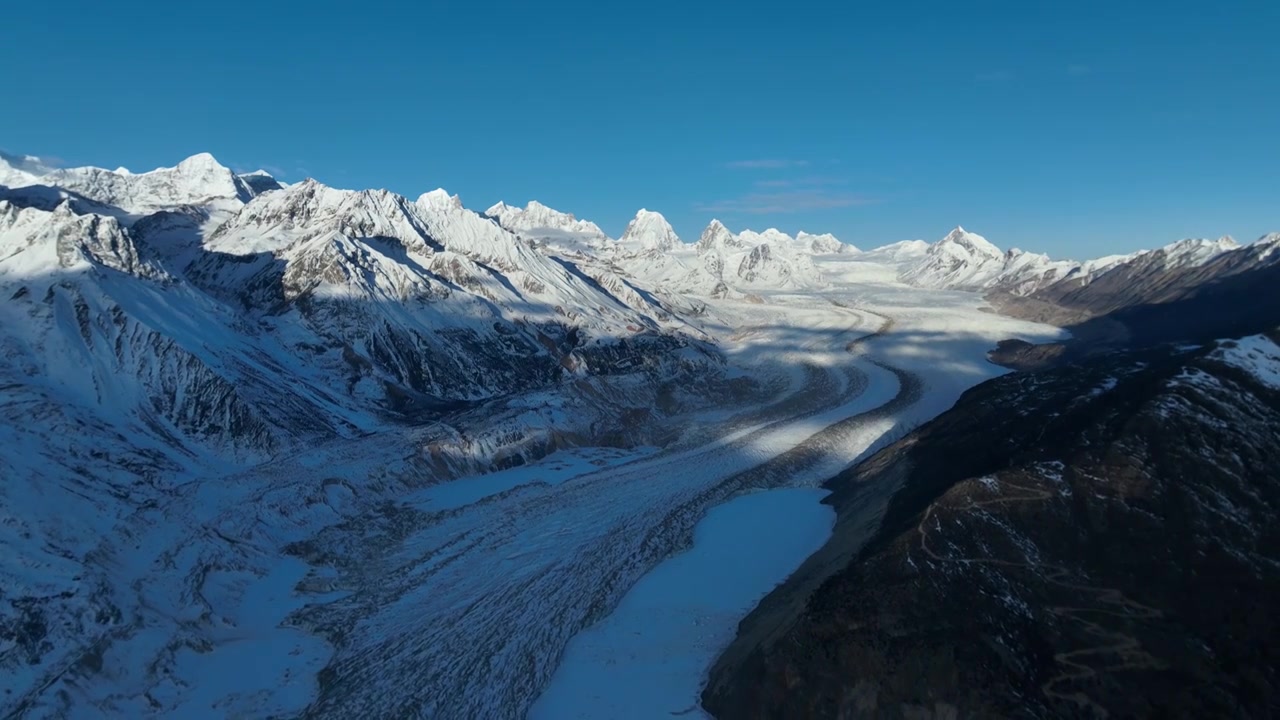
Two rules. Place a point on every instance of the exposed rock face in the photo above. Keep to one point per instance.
(1092, 541)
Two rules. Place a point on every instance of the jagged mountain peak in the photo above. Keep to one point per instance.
(971, 242)
(967, 261)
(259, 182)
(649, 231)
(1196, 251)
(542, 221)
(537, 207)
(197, 180)
(36, 242)
(823, 244)
(439, 199)
(1267, 243)
(310, 208)
(531, 212)
(199, 163)
(716, 236)
(771, 235)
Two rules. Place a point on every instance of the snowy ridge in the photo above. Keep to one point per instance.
(717, 238)
(197, 181)
(722, 263)
(535, 217)
(966, 261)
(826, 243)
(556, 232)
(898, 253)
(719, 264)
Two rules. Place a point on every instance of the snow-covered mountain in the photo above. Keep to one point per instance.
(218, 391)
(824, 244)
(21, 170)
(650, 252)
(198, 181)
(749, 261)
(648, 233)
(559, 232)
(966, 261)
(188, 322)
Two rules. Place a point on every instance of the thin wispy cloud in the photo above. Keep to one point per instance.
(771, 203)
(766, 164)
(815, 181)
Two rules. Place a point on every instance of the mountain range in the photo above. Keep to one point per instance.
(207, 373)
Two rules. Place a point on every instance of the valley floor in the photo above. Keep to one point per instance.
(304, 587)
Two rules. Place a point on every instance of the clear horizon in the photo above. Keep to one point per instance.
(1075, 131)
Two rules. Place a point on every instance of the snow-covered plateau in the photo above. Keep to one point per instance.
(288, 450)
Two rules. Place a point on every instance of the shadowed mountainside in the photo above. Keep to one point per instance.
(1233, 305)
(1097, 540)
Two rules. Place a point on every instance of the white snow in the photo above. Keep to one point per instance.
(965, 261)
(1106, 386)
(649, 232)
(1257, 355)
(134, 342)
(648, 658)
(21, 170)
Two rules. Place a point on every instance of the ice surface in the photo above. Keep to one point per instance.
(648, 658)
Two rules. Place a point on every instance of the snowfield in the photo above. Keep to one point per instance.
(281, 451)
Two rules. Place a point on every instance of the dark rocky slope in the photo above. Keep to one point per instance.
(1139, 305)
(1096, 540)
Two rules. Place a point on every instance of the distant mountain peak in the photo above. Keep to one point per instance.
(438, 199)
(716, 236)
(972, 242)
(200, 162)
(649, 232)
(540, 221)
(823, 244)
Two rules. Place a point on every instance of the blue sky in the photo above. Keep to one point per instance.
(1077, 128)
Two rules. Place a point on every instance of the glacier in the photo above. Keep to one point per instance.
(295, 450)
